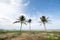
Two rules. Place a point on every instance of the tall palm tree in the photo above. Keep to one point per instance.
(20, 20)
(44, 20)
(29, 21)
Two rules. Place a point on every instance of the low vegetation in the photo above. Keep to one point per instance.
(29, 35)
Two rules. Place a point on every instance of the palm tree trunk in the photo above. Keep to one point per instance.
(30, 26)
(20, 27)
(45, 28)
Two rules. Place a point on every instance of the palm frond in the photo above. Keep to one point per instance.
(16, 22)
(25, 23)
(39, 22)
(47, 18)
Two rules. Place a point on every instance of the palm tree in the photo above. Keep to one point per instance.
(20, 20)
(44, 20)
(29, 21)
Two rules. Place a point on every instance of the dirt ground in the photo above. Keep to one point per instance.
(29, 36)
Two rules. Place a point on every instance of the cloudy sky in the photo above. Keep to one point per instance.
(10, 10)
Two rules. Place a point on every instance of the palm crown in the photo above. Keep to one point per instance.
(21, 19)
(44, 19)
(29, 20)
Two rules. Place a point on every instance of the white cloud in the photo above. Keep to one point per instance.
(8, 11)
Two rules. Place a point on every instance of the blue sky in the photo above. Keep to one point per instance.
(44, 6)
(10, 10)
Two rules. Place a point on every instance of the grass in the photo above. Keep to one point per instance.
(30, 35)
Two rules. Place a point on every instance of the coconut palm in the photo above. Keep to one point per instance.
(44, 20)
(29, 21)
(20, 20)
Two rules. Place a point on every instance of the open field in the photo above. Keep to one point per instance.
(29, 35)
